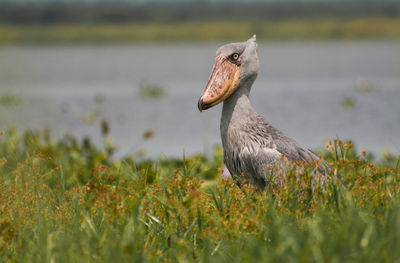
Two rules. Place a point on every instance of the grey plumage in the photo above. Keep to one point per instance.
(249, 142)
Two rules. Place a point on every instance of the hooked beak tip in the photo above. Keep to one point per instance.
(200, 104)
(203, 105)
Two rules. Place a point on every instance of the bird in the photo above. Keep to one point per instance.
(251, 145)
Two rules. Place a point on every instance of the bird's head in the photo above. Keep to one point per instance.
(235, 64)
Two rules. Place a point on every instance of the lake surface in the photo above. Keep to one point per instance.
(312, 91)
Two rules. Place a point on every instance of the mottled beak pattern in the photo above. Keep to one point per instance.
(223, 82)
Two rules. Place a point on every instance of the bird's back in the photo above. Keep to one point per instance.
(252, 146)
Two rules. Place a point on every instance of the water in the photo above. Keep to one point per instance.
(301, 89)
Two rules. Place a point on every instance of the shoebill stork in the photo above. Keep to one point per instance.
(250, 143)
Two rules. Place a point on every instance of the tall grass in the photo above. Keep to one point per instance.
(318, 28)
(66, 201)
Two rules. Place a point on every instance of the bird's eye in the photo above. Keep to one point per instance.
(235, 56)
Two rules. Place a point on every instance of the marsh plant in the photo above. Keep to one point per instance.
(9, 99)
(348, 103)
(151, 91)
(67, 201)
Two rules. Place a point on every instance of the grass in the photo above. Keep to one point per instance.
(320, 28)
(150, 91)
(9, 100)
(348, 103)
(67, 201)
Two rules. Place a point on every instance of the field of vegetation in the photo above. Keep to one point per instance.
(118, 22)
(319, 28)
(68, 201)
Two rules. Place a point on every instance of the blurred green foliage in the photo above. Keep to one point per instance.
(348, 103)
(228, 30)
(9, 100)
(151, 91)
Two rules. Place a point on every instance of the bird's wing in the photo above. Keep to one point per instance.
(294, 151)
(265, 162)
(258, 161)
(274, 138)
(273, 143)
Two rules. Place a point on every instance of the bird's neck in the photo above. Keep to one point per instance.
(237, 108)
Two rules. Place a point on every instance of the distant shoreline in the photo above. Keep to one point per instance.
(319, 28)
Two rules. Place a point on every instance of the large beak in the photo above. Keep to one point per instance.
(223, 82)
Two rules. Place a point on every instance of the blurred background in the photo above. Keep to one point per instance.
(129, 73)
